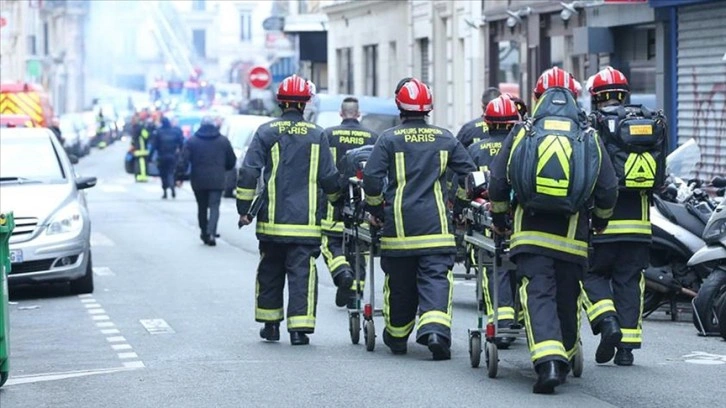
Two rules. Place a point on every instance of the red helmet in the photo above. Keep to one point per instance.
(555, 78)
(294, 89)
(502, 109)
(414, 96)
(609, 80)
(519, 103)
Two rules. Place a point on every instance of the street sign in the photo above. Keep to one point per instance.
(3, 21)
(274, 23)
(259, 77)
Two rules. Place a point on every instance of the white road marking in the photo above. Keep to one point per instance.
(118, 343)
(110, 331)
(34, 378)
(118, 347)
(103, 271)
(96, 312)
(156, 326)
(127, 355)
(116, 339)
(105, 324)
(703, 358)
(88, 300)
(100, 240)
(85, 295)
(100, 317)
(92, 305)
(134, 364)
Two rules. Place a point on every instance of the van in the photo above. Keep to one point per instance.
(22, 98)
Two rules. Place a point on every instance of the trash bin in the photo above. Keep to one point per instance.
(7, 223)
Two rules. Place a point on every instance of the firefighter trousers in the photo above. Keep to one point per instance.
(297, 263)
(505, 309)
(614, 286)
(339, 260)
(550, 294)
(418, 283)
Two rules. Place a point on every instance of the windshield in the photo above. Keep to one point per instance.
(682, 162)
(240, 134)
(29, 158)
(327, 119)
(375, 121)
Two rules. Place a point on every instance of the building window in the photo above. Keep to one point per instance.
(46, 49)
(32, 50)
(370, 54)
(199, 39)
(245, 27)
(345, 70)
(423, 46)
(199, 5)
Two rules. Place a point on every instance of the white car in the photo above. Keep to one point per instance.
(239, 129)
(51, 241)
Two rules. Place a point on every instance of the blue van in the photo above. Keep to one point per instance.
(377, 113)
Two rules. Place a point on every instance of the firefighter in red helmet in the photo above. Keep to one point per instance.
(295, 160)
(417, 245)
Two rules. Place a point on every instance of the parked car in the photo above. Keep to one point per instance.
(239, 129)
(188, 121)
(51, 241)
(16, 120)
(377, 113)
(72, 129)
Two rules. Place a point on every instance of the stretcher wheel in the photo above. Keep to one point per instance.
(354, 327)
(492, 359)
(475, 349)
(578, 362)
(369, 331)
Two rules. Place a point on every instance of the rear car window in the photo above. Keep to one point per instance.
(30, 158)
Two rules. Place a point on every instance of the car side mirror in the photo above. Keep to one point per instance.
(73, 158)
(83, 183)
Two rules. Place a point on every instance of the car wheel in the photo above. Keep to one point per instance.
(84, 284)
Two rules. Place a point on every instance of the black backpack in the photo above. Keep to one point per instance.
(352, 164)
(636, 140)
(555, 159)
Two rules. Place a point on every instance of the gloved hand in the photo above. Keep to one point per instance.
(598, 224)
(459, 206)
(376, 211)
(500, 223)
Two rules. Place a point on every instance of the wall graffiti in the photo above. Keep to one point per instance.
(709, 126)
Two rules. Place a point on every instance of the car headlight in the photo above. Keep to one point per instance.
(715, 231)
(67, 220)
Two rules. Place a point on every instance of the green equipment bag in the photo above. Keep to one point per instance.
(636, 140)
(555, 159)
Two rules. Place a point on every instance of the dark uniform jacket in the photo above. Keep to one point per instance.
(484, 151)
(472, 131)
(631, 218)
(167, 141)
(561, 237)
(211, 156)
(414, 157)
(296, 160)
(348, 135)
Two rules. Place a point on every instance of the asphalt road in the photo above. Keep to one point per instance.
(171, 324)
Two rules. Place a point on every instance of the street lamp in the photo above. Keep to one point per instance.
(515, 17)
(572, 8)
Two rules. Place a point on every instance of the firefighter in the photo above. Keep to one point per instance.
(296, 160)
(614, 283)
(500, 116)
(102, 130)
(141, 133)
(417, 246)
(348, 135)
(550, 251)
(476, 129)
(168, 142)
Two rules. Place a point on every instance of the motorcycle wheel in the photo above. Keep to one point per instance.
(722, 317)
(711, 290)
(651, 301)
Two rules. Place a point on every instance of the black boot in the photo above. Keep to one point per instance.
(211, 241)
(566, 368)
(397, 346)
(271, 332)
(548, 377)
(163, 197)
(439, 347)
(173, 192)
(203, 236)
(624, 357)
(344, 280)
(610, 336)
(299, 338)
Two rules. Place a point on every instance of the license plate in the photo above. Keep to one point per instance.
(16, 256)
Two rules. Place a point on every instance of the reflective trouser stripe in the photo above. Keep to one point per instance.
(374, 200)
(301, 322)
(486, 293)
(435, 317)
(307, 321)
(547, 348)
(395, 331)
(503, 313)
(359, 285)
(632, 336)
(273, 315)
(332, 261)
(597, 309)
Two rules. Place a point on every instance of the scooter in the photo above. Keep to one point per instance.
(711, 298)
(678, 217)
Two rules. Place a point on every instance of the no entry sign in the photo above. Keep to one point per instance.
(259, 77)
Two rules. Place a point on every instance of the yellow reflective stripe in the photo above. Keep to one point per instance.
(518, 215)
(440, 205)
(434, 317)
(461, 193)
(485, 290)
(644, 207)
(571, 352)
(418, 242)
(572, 225)
(337, 262)
(374, 200)
(401, 331)
(358, 285)
(245, 194)
(272, 185)
(603, 213)
(517, 139)
(560, 148)
(547, 348)
(332, 197)
(505, 313)
(499, 206)
(288, 230)
(550, 241)
(301, 322)
(525, 308)
(595, 310)
(269, 314)
(144, 134)
(142, 167)
(628, 227)
(640, 169)
(398, 200)
(313, 185)
(329, 213)
(632, 336)
(334, 153)
(450, 305)
(332, 226)
(312, 287)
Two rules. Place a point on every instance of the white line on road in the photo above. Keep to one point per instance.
(118, 347)
(96, 312)
(92, 305)
(134, 364)
(85, 296)
(89, 300)
(110, 331)
(100, 317)
(103, 271)
(105, 324)
(116, 339)
(100, 240)
(127, 355)
(29, 379)
(156, 326)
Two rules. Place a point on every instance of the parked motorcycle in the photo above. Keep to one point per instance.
(711, 298)
(678, 216)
